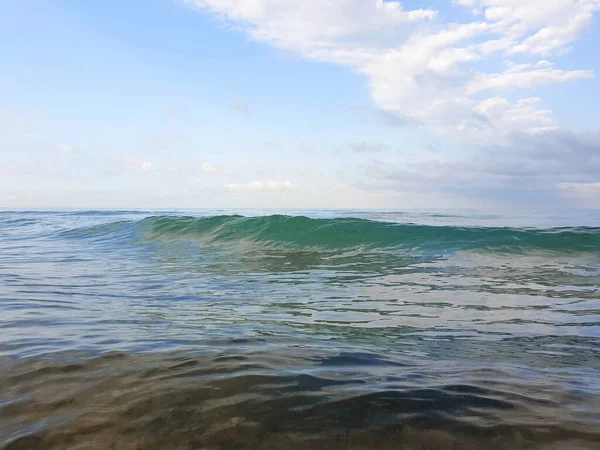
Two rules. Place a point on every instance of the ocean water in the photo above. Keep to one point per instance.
(299, 330)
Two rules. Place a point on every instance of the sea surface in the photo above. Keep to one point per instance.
(299, 330)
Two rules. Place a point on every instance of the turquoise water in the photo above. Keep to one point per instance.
(299, 329)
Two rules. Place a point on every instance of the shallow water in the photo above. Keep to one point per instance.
(319, 329)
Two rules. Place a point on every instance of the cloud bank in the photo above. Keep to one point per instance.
(453, 78)
(529, 165)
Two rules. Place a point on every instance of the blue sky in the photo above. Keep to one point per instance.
(269, 103)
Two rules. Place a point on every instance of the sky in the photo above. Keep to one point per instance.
(485, 104)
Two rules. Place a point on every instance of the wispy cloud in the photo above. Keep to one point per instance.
(210, 169)
(366, 147)
(140, 164)
(262, 186)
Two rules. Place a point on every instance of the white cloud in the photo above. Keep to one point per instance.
(495, 119)
(263, 186)
(140, 164)
(557, 36)
(312, 25)
(418, 69)
(537, 26)
(525, 76)
(194, 170)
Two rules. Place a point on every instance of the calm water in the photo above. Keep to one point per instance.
(310, 330)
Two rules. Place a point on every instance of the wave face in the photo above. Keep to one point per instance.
(349, 330)
(303, 233)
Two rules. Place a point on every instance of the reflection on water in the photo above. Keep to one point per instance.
(123, 331)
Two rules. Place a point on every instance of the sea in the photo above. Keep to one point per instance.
(260, 329)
